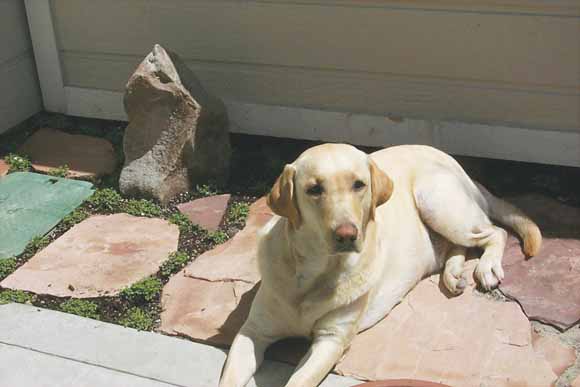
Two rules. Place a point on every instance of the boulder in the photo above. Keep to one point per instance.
(177, 133)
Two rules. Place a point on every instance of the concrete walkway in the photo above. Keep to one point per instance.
(40, 347)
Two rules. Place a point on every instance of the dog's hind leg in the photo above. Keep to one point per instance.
(452, 206)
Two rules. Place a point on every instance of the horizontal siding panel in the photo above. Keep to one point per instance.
(339, 91)
(503, 142)
(13, 30)
(20, 97)
(517, 49)
(534, 7)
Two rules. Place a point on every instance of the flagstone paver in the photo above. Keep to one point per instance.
(470, 340)
(86, 156)
(543, 284)
(98, 257)
(32, 204)
(206, 212)
(235, 259)
(559, 356)
(209, 311)
(198, 302)
(4, 168)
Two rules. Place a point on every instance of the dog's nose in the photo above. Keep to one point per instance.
(346, 232)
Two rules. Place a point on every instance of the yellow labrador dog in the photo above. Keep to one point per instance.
(355, 233)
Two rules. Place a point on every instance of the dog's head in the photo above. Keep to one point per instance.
(331, 192)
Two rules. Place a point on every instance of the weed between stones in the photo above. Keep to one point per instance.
(175, 263)
(75, 217)
(137, 318)
(7, 267)
(17, 163)
(82, 308)
(144, 291)
(182, 222)
(109, 201)
(61, 171)
(217, 237)
(18, 296)
(105, 200)
(206, 190)
(142, 207)
(35, 245)
(238, 212)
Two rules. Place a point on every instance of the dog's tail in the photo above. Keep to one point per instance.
(513, 217)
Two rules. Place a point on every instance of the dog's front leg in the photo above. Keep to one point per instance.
(324, 353)
(331, 335)
(244, 358)
(261, 329)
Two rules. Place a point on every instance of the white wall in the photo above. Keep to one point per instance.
(19, 90)
(486, 78)
(508, 62)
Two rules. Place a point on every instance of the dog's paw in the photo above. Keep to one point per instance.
(453, 280)
(489, 274)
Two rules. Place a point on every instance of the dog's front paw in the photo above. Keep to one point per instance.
(489, 274)
(453, 280)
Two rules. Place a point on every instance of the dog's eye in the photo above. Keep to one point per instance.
(358, 185)
(315, 190)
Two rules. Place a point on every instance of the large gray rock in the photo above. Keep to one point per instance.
(177, 134)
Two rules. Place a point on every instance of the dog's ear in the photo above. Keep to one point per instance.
(381, 187)
(282, 200)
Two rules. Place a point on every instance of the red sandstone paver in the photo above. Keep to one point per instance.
(559, 355)
(209, 311)
(543, 284)
(198, 302)
(468, 340)
(235, 259)
(4, 168)
(86, 156)
(98, 257)
(206, 212)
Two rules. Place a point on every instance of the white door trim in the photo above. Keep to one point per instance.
(46, 54)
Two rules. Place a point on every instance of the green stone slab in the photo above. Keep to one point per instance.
(32, 204)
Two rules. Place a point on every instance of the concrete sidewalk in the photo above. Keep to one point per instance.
(40, 347)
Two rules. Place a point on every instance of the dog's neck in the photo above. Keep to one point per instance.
(332, 279)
